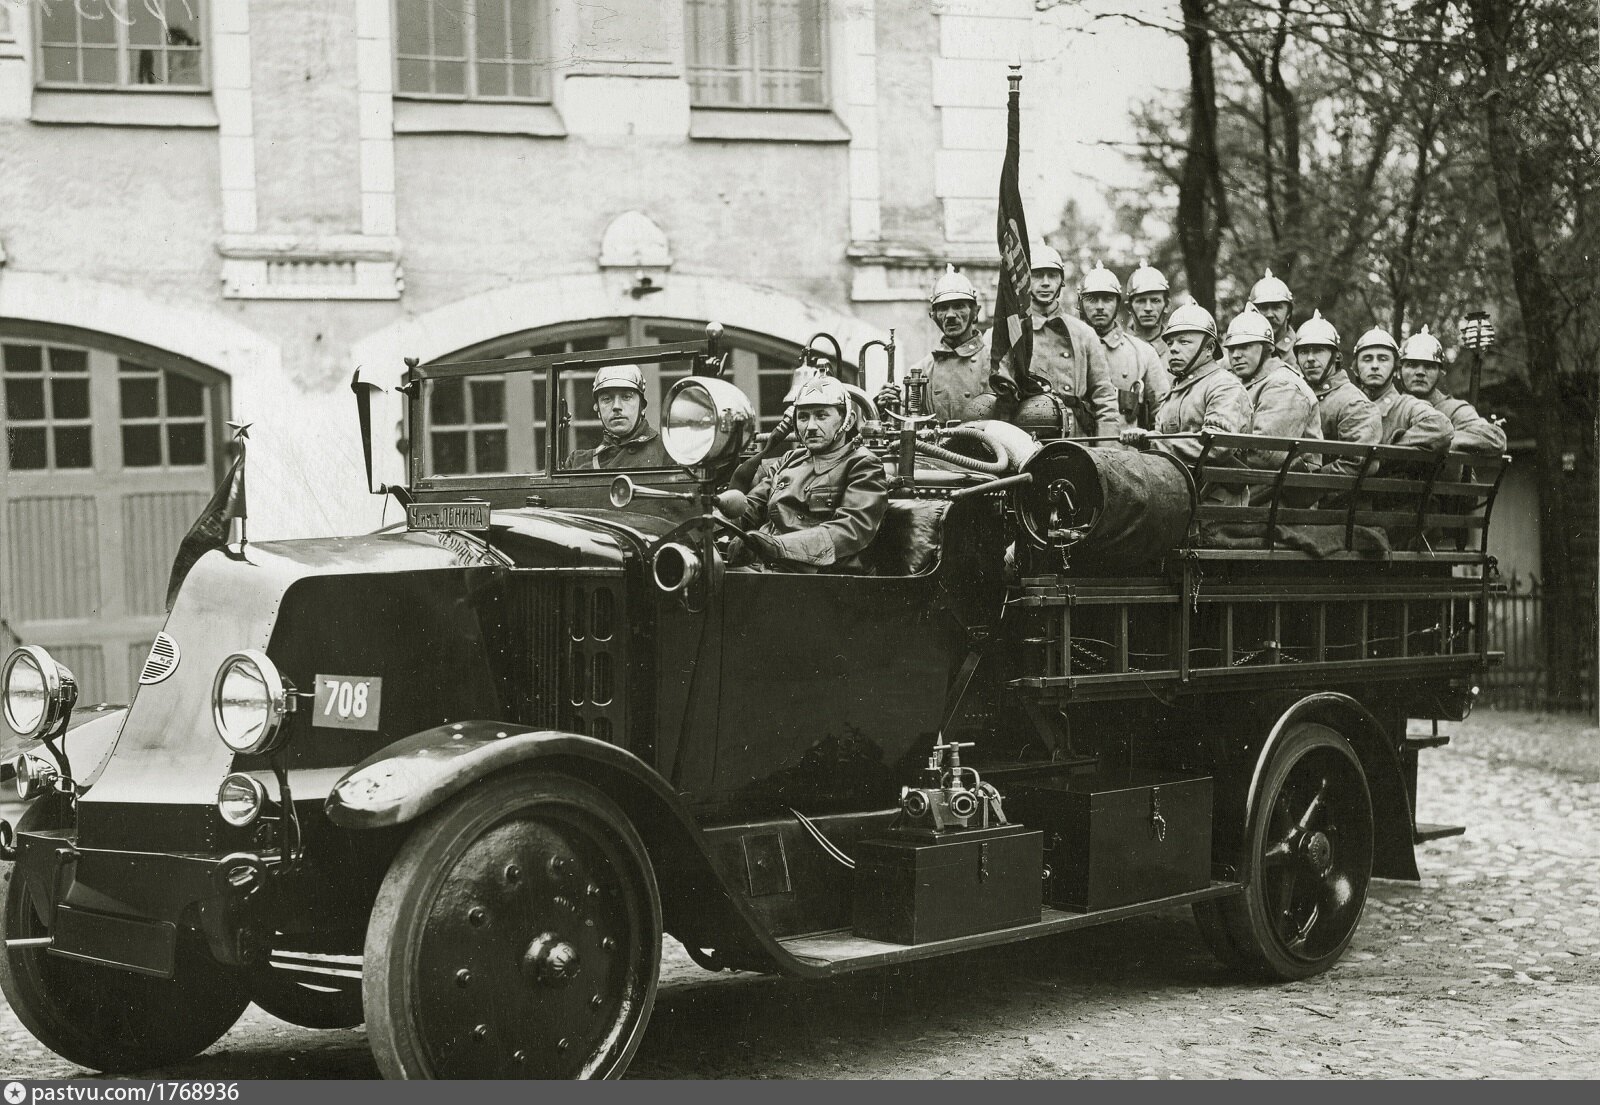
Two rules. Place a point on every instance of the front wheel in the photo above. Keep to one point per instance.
(1310, 840)
(516, 935)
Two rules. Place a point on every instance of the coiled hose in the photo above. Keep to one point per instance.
(1011, 446)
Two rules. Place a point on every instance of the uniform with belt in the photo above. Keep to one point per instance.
(1068, 355)
(956, 377)
(1141, 379)
(821, 510)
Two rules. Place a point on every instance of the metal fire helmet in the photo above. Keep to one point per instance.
(1190, 318)
(1248, 327)
(1100, 281)
(1045, 415)
(823, 391)
(952, 285)
(1046, 257)
(1377, 338)
(1146, 279)
(1269, 289)
(624, 376)
(1422, 346)
(1316, 331)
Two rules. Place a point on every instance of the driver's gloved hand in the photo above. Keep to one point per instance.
(732, 504)
(763, 545)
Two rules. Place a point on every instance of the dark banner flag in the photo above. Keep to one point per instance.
(210, 530)
(1011, 342)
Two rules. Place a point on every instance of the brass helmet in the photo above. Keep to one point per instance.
(624, 376)
(1248, 327)
(1378, 338)
(1045, 257)
(1190, 318)
(952, 285)
(1045, 416)
(1316, 331)
(1269, 289)
(1422, 346)
(1146, 279)
(823, 391)
(1099, 281)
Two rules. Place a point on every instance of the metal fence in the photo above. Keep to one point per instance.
(1516, 627)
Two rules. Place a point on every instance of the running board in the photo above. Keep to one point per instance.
(1425, 832)
(841, 951)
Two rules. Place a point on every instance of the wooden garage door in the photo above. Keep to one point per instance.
(110, 454)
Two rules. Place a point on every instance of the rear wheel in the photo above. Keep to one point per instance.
(516, 935)
(1310, 839)
(104, 1018)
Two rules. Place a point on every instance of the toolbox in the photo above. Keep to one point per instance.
(1119, 835)
(913, 886)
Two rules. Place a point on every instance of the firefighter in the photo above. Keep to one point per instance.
(958, 367)
(1141, 379)
(1345, 412)
(1272, 297)
(1147, 307)
(822, 504)
(1068, 357)
(1281, 403)
(629, 440)
(1204, 396)
(1422, 374)
(1407, 420)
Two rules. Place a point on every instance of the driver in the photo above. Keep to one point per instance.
(630, 441)
(821, 505)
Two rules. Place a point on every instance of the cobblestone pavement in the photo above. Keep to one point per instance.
(1489, 968)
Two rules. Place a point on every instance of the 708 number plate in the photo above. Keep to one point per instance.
(347, 702)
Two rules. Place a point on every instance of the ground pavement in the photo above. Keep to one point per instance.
(1489, 968)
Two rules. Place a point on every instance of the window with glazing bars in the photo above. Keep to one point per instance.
(46, 407)
(131, 44)
(472, 49)
(467, 425)
(757, 53)
(165, 418)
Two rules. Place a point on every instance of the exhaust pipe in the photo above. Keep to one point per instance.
(675, 567)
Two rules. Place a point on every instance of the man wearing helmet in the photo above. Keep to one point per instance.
(1203, 397)
(957, 369)
(1147, 306)
(1422, 374)
(1067, 355)
(1407, 420)
(1346, 414)
(1140, 378)
(629, 440)
(822, 504)
(1281, 404)
(1272, 297)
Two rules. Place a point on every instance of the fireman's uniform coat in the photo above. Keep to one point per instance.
(1208, 398)
(822, 511)
(1139, 375)
(1346, 415)
(1069, 355)
(956, 377)
(1408, 420)
(1473, 432)
(640, 449)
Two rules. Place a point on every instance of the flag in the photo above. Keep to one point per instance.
(1011, 344)
(210, 530)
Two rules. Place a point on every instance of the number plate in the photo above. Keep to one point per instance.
(468, 516)
(348, 701)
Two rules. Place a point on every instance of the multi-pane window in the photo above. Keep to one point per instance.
(472, 49)
(46, 407)
(774, 378)
(165, 418)
(584, 430)
(757, 53)
(121, 43)
(467, 425)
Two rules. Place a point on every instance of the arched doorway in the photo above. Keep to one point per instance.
(111, 450)
(496, 424)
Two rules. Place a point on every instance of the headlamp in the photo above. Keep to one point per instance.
(240, 799)
(36, 693)
(705, 420)
(248, 702)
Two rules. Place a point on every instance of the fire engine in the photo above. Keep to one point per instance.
(457, 778)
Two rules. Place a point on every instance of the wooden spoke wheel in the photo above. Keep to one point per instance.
(516, 935)
(104, 1018)
(1310, 837)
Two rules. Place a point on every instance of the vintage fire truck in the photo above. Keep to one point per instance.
(457, 779)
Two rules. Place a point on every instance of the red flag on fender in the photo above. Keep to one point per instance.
(210, 530)
(1011, 343)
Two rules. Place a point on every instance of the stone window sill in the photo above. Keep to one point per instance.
(57, 107)
(721, 124)
(476, 117)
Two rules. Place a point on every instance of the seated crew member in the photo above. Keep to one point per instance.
(1067, 354)
(822, 504)
(1204, 396)
(1346, 414)
(1281, 403)
(1139, 376)
(1422, 374)
(1272, 297)
(957, 369)
(1407, 420)
(630, 441)
(1148, 292)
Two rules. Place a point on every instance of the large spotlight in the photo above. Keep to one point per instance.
(705, 420)
(249, 701)
(37, 692)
